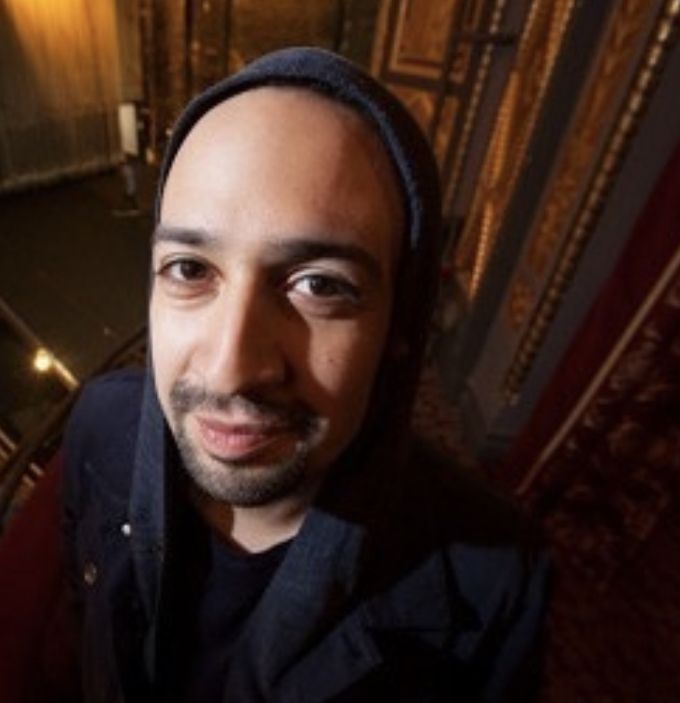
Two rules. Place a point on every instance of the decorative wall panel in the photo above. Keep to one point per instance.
(191, 44)
(435, 55)
(258, 27)
(619, 87)
(521, 104)
(420, 37)
(209, 24)
(166, 68)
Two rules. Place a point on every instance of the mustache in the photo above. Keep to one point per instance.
(185, 397)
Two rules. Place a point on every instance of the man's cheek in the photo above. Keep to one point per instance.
(344, 375)
(166, 359)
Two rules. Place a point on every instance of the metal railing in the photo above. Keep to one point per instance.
(7, 446)
(25, 462)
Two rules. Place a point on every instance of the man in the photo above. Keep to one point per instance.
(250, 519)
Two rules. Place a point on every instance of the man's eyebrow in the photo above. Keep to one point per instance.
(293, 251)
(183, 235)
(298, 251)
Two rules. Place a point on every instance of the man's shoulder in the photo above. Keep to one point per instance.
(108, 401)
(489, 559)
(490, 543)
(459, 498)
(116, 386)
(103, 425)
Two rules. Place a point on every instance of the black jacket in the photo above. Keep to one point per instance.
(408, 581)
(429, 594)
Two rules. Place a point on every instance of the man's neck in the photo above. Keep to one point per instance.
(252, 529)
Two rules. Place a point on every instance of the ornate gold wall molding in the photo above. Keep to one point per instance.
(452, 178)
(415, 36)
(208, 42)
(164, 58)
(421, 34)
(523, 98)
(436, 55)
(567, 216)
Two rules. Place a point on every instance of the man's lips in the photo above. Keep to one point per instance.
(238, 441)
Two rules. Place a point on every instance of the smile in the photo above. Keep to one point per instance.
(242, 441)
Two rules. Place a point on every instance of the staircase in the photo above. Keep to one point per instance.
(30, 434)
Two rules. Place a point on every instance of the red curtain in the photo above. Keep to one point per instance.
(38, 640)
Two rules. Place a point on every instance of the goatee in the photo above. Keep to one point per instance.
(244, 483)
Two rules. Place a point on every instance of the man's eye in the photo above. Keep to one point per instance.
(321, 286)
(185, 271)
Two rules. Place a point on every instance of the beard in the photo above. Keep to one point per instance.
(244, 482)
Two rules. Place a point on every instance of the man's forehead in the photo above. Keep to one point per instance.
(248, 138)
(267, 101)
(295, 111)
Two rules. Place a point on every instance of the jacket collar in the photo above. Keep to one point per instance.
(148, 499)
(311, 636)
(317, 608)
(147, 514)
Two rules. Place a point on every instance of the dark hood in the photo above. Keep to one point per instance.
(355, 494)
(380, 442)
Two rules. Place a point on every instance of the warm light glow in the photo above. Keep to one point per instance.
(42, 361)
(70, 53)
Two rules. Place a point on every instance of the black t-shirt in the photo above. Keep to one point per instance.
(232, 584)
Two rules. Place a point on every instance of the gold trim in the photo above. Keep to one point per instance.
(401, 63)
(517, 116)
(380, 37)
(660, 288)
(470, 114)
(65, 375)
(663, 35)
(462, 122)
(449, 118)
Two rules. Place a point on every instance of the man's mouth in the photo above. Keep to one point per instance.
(242, 441)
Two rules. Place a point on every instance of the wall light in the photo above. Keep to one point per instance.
(43, 360)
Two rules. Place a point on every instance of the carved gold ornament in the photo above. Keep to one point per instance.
(523, 98)
(567, 216)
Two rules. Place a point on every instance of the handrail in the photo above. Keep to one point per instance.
(7, 446)
(48, 432)
(30, 337)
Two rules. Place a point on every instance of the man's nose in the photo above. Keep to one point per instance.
(244, 344)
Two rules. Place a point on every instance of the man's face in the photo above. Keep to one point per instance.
(274, 263)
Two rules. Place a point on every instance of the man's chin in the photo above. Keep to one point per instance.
(245, 481)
